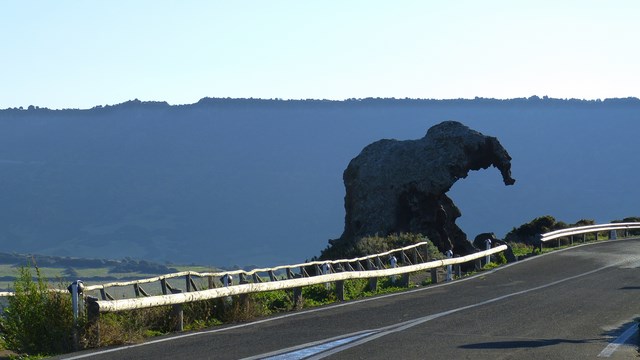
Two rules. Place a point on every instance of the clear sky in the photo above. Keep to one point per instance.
(78, 54)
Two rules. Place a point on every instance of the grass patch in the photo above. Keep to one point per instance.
(196, 268)
(521, 249)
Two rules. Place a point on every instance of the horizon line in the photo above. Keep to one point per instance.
(324, 100)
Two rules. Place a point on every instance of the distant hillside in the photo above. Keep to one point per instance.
(247, 181)
(120, 266)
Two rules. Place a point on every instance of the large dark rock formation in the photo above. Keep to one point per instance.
(398, 186)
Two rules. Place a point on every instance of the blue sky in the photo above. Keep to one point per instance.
(78, 54)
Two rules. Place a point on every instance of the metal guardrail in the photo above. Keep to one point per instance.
(180, 298)
(588, 229)
(407, 255)
(337, 271)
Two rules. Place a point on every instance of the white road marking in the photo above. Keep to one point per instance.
(615, 344)
(309, 351)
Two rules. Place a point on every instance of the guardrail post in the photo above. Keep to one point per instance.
(178, 313)
(373, 282)
(393, 262)
(244, 298)
(298, 301)
(487, 258)
(297, 292)
(613, 235)
(75, 289)
(405, 280)
(340, 290)
(93, 321)
(434, 276)
(449, 254)
(326, 270)
(163, 285)
(227, 280)
(596, 236)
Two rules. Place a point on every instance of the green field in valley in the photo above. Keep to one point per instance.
(60, 272)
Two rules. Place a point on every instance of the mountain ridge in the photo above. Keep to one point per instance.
(239, 181)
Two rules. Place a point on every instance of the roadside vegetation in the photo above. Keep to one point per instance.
(526, 234)
(37, 321)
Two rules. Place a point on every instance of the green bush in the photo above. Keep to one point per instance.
(521, 249)
(528, 233)
(37, 321)
(631, 232)
(499, 258)
(202, 314)
(319, 294)
(273, 301)
(355, 289)
(375, 244)
(371, 245)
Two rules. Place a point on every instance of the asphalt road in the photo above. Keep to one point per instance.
(577, 303)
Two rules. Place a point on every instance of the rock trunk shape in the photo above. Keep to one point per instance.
(399, 186)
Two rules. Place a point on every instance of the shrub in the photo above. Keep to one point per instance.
(521, 249)
(37, 321)
(631, 232)
(376, 244)
(273, 301)
(133, 326)
(202, 314)
(499, 258)
(240, 308)
(355, 289)
(316, 295)
(527, 233)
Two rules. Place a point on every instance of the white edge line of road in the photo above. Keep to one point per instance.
(354, 302)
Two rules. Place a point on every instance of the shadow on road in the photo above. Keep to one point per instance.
(522, 344)
(630, 329)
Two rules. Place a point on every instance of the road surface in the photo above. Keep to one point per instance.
(577, 303)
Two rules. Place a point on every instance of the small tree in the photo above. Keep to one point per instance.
(37, 321)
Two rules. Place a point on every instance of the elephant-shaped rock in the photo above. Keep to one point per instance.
(397, 186)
